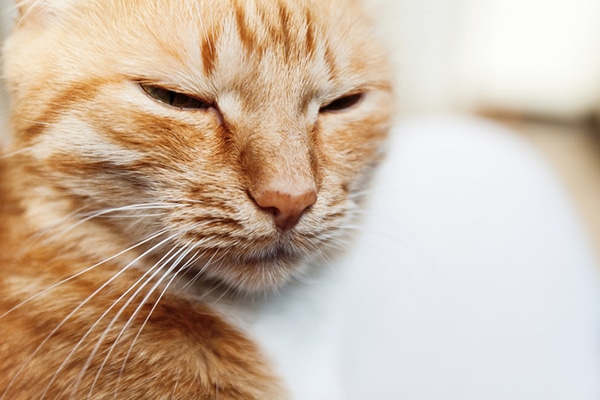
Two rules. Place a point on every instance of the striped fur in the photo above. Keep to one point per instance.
(113, 199)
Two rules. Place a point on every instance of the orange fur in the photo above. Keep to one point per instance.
(148, 194)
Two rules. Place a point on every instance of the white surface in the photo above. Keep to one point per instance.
(472, 279)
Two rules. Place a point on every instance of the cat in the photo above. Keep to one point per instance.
(163, 154)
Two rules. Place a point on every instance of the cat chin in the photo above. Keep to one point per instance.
(256, 275)
(254, 265)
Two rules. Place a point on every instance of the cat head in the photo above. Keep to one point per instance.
(235, 132)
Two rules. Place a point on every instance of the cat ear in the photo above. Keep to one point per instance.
(38, 11)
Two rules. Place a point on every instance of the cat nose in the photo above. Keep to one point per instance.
(285, 207)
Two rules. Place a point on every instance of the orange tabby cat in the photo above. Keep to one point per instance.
(160, 146)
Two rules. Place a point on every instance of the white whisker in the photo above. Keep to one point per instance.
(87, 217)
(54, 286)
(133, 207)
(181, 253)
(16, 152)
(121, 271)
(73, 312)
(140, 286)
(136, 312)
(197, 276)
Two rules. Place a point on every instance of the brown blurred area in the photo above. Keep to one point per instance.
(573, 150)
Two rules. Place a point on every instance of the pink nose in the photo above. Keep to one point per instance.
(285, 208)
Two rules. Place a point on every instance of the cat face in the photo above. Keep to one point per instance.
(234, 132)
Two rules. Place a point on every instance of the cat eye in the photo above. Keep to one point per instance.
(342, 103)
(174, 99)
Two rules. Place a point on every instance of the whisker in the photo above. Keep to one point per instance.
(35, 122)
(228, 288)
(120, 272)
(159, 266)
(197, 276)
(133, 216)
(153, 271)
(136, 312)
(43, 232)
(16, 152)
(73, 312)
(130, 207)
(88, 217)
(197, 257)
(54, 286)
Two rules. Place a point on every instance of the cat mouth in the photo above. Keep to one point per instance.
(253, 272)
(276, 255)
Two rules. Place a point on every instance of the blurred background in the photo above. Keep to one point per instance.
(533, 65)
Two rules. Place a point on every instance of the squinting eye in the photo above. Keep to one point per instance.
(342, 103)
(174, 99)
